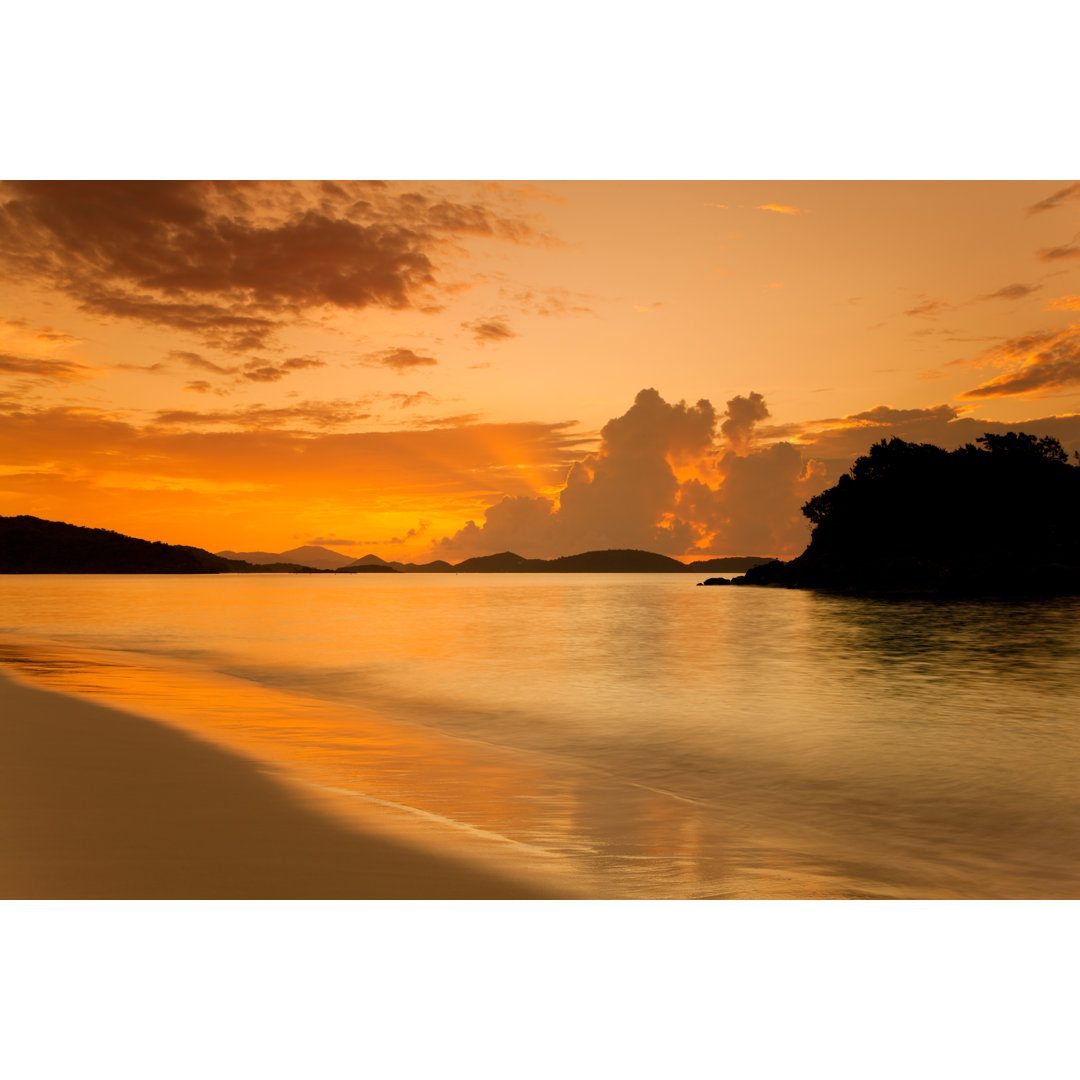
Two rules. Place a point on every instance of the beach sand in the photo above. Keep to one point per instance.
(96, 803)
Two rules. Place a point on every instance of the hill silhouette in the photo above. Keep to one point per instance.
(614, 561)
(998, 518)
(318, 558)
(30, 545)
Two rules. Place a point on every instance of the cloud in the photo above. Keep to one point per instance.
(656, 483)
(1051, 202)
(407, 401)
(549, 302)
(486, 331)
(273, 371)
(930, 308)
(233, 262)
(1063, 251)
(742, 414)
(656, 305)
(525, 193)
(883, 415)
(758, 506)
(474, 463)
(778, 208)
(1047, 361)
(318, 414)
(720, 206)
(44, 367)
(251, 371)
(216, 324)
(1012, 292)
(398, 359)
(837, 442)
(1063, 303)
(21, 329)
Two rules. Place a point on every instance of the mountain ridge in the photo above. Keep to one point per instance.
(34, 545)
(318, 558)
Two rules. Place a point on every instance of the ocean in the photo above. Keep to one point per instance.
(640, 735)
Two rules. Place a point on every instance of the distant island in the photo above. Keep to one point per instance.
(31, 545)
(999, 518)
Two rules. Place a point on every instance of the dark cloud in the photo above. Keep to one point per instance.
(1012, 292)
(218, 325)
(397, 359)
(43, 367)
(486, 331)
(1063, 251)
(1047, 361)
(196, 360)
(251, 371)
(931, 308)
(884, 415)
(273, 371)
(1051, 202)
(838, 442)
(230, 261)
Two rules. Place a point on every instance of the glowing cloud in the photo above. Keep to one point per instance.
(629, 493)
(1047, 361)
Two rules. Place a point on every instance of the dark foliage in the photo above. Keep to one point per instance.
(999, 517)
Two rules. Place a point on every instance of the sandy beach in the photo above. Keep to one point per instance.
(96, 803)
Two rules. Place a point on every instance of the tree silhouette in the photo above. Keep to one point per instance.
(1003, 515)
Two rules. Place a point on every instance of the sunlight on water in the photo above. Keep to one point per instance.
(658, 738)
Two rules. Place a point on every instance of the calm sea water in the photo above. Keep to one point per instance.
(655, 738)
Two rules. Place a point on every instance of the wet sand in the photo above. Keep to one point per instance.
(96, 803)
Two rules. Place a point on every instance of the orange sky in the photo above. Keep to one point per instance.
(374, 366)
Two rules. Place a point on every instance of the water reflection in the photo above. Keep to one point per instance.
(666, 740)
(963, 638)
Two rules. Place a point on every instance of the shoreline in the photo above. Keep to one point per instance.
(99, 803)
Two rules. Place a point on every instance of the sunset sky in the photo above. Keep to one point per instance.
(439, 370)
